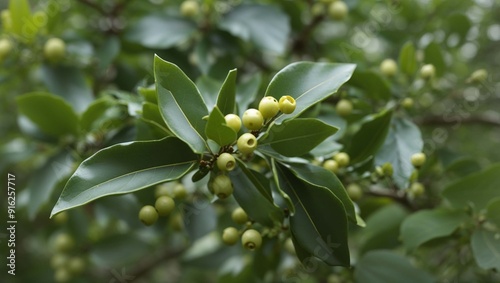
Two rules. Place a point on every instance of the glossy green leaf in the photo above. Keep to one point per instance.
(368, 139)
(319, 224)
(20, 16)
(69, 83)
(309, 83)
(486, 248)
(217, 130)
(100, 114)
(181, 104)
(433, 55)
(493, 211)
(253, 193)
(319, 176)
(476, 189)
(426, 225)
(151, 112)
(385, 266)
(402, 141)
(125, 168)
(160, 31)
(46, 178)
(374, 85)
(408, 59)
(227, 94)
(108, 51)
(200, 218)
(270, 32)
(297, 136)
(50, 113)
(209, 89)
(149, 94)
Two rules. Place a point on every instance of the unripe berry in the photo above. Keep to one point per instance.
(338, 10)
(388, 67)
(344, 107)
(180, 191)
(61, 217)
(54, 49)
(162, 190)
(417, 189)
(223, 187)
(342, 159)
(230, 236)
(407, 103)
(176, 222)
(268, 107)
(354, 191)
(333, 278)
(148, 215)
(76, 265)
(287, 104)
(318, 9)
(239, 216)
(331, 165)
(58, 260)
(164, 205)
(427, 71)
(62, 275)
(387, 169)
(5, 47)
(190, 8)
(251, 239)
(253, 119)
(63, 242)
(226, 162)
(247, 143)
(233, 121)
(418, 159)
(478, 76)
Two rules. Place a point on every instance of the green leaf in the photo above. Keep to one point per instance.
(458, 24)
(20, 16)
(433, 55)
(297, 136)
(120, 249)
(486, 249)
(217, 130)
(226, 98)
(151, 113)
(402, 141)
(50, 113)
(125, 168)
(476, 189)
(46, 178)
(370, 136)
(408, 59)
(181, 104)
(319, 224)
(319, 176)
(200, 218)
(372, 83)
(247, 91)
(493, 211)
(68, 83)
(160, 31)
(103, 113)
(270, 32)
(209, 89)
(426, 225)
(253, 193)
(384, 266)
(149, 94)
(309, 83)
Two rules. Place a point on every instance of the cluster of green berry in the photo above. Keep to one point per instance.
(65, 265)
(251, 239)
(336, 9)
(164, 204)
(338, 161)
(417, 189)
(54, 49)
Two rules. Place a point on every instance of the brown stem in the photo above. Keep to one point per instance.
(398, 196)
(301, 40)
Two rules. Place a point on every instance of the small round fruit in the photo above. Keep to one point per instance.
(233, 121)
(379, 171)
(180, 191)
(333, 278)
(176, 222)
(190, 8)
(251, 239)
(247, 143)
(427, 71)
(5, 47)
(162, 190)
(223, 187)
(164, 205)
(344, 107)
(387, 169)
(338, 10)
(239, 216)
(407, 103)
(62, 275)
(354, 191)
(253, 119)
(388, 67)
(226, 162)
(61, 217)
(63, 242)
(148, 215)
(418, 159)
(342, 159)
(318, 9)
(54, 49)
(287, 104)
(58, 260)
(331, 165)
(76, 265)
(269, 107)
(478, 76)
(230, 236)
(417, 189)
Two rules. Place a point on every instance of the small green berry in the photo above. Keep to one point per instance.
(180, 191)
(164, 205)
(226, 162)
(148, 215)
(269, 107)
(478, 76)
(222, 186)
(251, 239)
(342, 159)
(176, 222)
(233, 121)
(5, 47)
(63, 242)
(190, 8)
(418, 159)
(407, 103)
(344, 108)
(387, 169)
(76, 265)
(62, 275)
(287, 104)
(331, 165)
(239, 216)
(333, 278)
(247, 143)
(354, 191)
(58, 260)
(230, 236)
(54, 49)
(162, 190)
(417, 189)
(427, 71)
(61, 217)
(253, 119)
(338, 10)
(388, 67)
